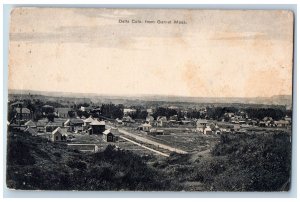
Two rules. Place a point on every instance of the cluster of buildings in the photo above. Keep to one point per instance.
(243, 120)
(62, 127)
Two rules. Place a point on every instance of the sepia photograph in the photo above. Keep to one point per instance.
(115, 99)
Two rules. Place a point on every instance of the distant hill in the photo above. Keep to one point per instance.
(285, 100)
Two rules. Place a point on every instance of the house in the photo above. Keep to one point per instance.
(74, 124)
(86, 109)
(88, 121)
(31, 131)
(145, 127)
(236, 127)
(128, 111)
(207, 131)
(229, 114)
(41, 124)
(30, 124)
(51, 126)
(119, 121)
(201, 124)
(149, 119)
(108, 136)
(97, 127)
(174, 118)
(287, 118)
(63, 112)
(162, 121)
(23, 114)
(150, 111)
(267, 119)
(47, 109)
(58, 135)
(218, 132)
(127, 121)
(262, 124)
(282, 123)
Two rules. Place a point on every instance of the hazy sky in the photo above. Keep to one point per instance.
(216, 54)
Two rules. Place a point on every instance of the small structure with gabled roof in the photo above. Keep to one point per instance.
(30, 124)
(97, 127)
(145, 127)
(58, 135)
(108, 136)
(88, 121)
(31, 131)
(74, 124)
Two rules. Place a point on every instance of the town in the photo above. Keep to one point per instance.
(143, 129)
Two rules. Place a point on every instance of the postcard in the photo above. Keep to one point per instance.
(149, 99)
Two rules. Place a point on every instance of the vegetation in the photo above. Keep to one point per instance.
(244, 162)
(34, 163)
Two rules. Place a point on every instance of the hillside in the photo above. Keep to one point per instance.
(285, 100)
(247, 162)
(36, 164)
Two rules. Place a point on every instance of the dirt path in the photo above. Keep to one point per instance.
(153, 150)
(156, 144)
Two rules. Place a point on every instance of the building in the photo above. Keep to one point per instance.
(30, 124)
(282, 123)
(162, 121)
(51, 126)
(74, 125)
(47, 109)
(97, 127)
(208, 131)
(31, 131)
(287, 118)
(41, 124)
(63, 112)
(201, 124)
(86, 109)
(150, 111)
(127, 121)
(150, 119)
(108, 136)
(87, 122)
(128, 111)
(23, 114)
(173, 118)
(119, 121)
(58, 135)
(145, 127)
(156, 132)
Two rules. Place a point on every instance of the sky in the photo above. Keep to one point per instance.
(217, 53)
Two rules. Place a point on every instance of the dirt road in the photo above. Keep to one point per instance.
(156, 144)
